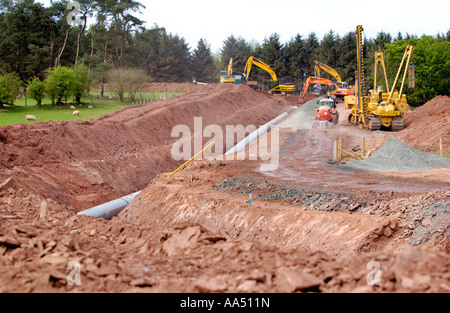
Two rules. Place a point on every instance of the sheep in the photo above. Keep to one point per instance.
(90, 107)
(72, 107)
(31, 118)
(76, 112)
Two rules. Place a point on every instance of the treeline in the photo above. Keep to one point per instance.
(35, 39)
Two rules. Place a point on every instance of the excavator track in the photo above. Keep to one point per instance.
(374, 123)
(397, 124)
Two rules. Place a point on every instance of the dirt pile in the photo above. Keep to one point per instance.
(425, 125)
(397, 156)
(85, 163)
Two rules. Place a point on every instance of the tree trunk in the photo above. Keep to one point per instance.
(63, 47)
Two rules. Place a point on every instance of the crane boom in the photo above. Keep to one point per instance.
(406, 57)
(379, 59)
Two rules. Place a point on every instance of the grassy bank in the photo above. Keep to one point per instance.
(46, 112)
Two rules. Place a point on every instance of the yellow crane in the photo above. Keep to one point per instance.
(274, 85)
(377, 109)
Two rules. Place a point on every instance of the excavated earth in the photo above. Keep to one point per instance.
(221, 225)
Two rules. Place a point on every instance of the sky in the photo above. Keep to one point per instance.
(256, 20)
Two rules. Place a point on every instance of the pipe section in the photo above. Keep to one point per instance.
(109, 209)
(255, 134)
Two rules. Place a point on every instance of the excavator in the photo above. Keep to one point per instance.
(227, 77)
(317, 86)
(342, 88)
(274, 85)
(377, 109)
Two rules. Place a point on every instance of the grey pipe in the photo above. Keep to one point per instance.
(255, 134)
(109, 209)
(112, 208)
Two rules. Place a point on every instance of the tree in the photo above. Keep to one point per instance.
(81, 82)
(327, 52)
(272, 53)
(311, 46)
(432, 67)
(236, 48)
(123, 80)
(202, 62)
(9, 88)
(24, 36)
(58, 84)
(295, 56)
(36, 90)
(123, 23)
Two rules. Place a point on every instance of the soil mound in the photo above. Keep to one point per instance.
(397, 156)
(85, 163)
(425, 125)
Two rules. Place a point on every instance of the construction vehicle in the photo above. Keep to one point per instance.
(274, 85)
(327, 115)
(316, 86)
(377, 109)
(342, 88)
(227, 76)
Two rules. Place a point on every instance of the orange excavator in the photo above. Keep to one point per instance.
(316, 86)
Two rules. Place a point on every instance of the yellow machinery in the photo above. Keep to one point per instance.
(274, 85)
(378, 109)
(227, 77)
(342, 88)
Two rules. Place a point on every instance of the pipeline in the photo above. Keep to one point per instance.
(109, 209)
(255, 134)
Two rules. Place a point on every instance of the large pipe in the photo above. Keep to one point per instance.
(112, 208)
(109, 209)
(255, 134)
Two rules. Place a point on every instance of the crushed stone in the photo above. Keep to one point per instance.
(397, 156)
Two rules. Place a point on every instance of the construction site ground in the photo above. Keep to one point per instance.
(220, 225)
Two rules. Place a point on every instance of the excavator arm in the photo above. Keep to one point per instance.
(254, 61)
(274, 85)
(319, 65)
(230, 67)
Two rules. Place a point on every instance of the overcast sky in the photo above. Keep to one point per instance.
(256, 20)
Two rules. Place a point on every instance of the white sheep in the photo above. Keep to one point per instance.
(31, 118)
(72, 107)
(76, 112)
(90, 107)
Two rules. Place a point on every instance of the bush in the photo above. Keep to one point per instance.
(124, 80)
(81, 82)
(59, 83)
(9, 88)
(36, 90)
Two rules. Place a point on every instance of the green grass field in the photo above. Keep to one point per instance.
(46, 112)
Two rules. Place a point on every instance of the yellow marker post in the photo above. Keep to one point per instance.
(190, 160)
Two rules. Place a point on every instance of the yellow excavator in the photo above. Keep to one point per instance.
(342, 88)
(274, 85)
(378, 109)
(227, 76)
